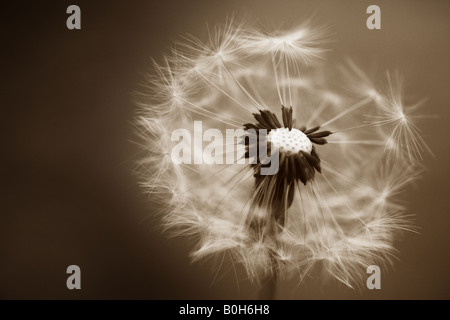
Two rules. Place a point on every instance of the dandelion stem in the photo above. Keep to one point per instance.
(268, 287)
(269, 279)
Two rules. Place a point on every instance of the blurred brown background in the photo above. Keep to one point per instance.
(68, 195)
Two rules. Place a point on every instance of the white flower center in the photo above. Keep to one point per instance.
(290, 141)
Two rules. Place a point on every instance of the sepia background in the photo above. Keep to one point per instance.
(68, 195)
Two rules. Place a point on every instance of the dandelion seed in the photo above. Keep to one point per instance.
(327, 203)
(405, 133)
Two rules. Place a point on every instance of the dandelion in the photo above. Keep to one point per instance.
(343, 155)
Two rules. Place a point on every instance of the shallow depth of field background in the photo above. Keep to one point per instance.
(68, 195)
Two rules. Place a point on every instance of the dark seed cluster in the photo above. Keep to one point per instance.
(277, 191)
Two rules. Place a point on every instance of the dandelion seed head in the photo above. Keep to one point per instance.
(342, 141)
